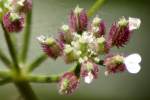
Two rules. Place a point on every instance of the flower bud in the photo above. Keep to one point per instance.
(13, 22)
(98, 27)
(114, 64)
(51, 47)
(100, 45)
(89, 71)
(68, 83)
(66, 35)
(25, 6)
(119, 33)
(70, 54)
(78, 20)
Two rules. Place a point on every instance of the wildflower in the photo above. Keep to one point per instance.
(114, 64)
(66, 35)
(89, 71)
(25, 6)
(50, 46)
(68, 83)
(120, 32)
(78, 20)
(13, 22)
(98, 27)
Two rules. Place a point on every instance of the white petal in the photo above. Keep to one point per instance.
(41, 38)
(133, 58)
(134, 23)
(133, 68)
(88, 79)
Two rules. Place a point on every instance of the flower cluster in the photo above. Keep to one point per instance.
(13, 13)
(84, 42)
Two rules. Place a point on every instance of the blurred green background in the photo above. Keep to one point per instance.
(49, 15)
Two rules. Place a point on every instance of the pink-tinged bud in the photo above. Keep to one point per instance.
(78, 20)
(114, 64)
(98, 27)
(119, 33)
(26, 6)
(13, 22)
(68, 83)
(89, 71)
(51, 47)
(65, 35)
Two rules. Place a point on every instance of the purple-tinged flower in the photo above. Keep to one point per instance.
(98, 27)
(89, 71)
(120, 32)
(68, 83)
(25, 6)
(13, 22)
(78, 20)
(66, 36)
(114, 64)
(51, 47)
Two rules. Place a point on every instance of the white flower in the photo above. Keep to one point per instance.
(134, 23)
(88, 79)
(41, 39)
(20, 2)
(132, 63)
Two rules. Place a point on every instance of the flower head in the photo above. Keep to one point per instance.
(25, 6)
(68, 83)
(89, 71)
(98, 27)
(78, 20)
(66, 36)
(51, 47)
(13, 22)
(120, 32)
(114, 64)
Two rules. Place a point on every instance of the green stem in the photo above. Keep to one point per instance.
(26, 38)
(5, 81)
(25, 90)
(44, 78)
(4, 59)
(4, 74)
(37, 62)
(11, 49)
(96, 6)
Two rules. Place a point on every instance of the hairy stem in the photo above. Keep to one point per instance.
(37, 62)
(26, 38)
(12, 50)
(4, 59)
(43, 78)
(4, 74)
(96, 6)
(5, 81)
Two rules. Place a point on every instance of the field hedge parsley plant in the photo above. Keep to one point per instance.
(82, 41)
